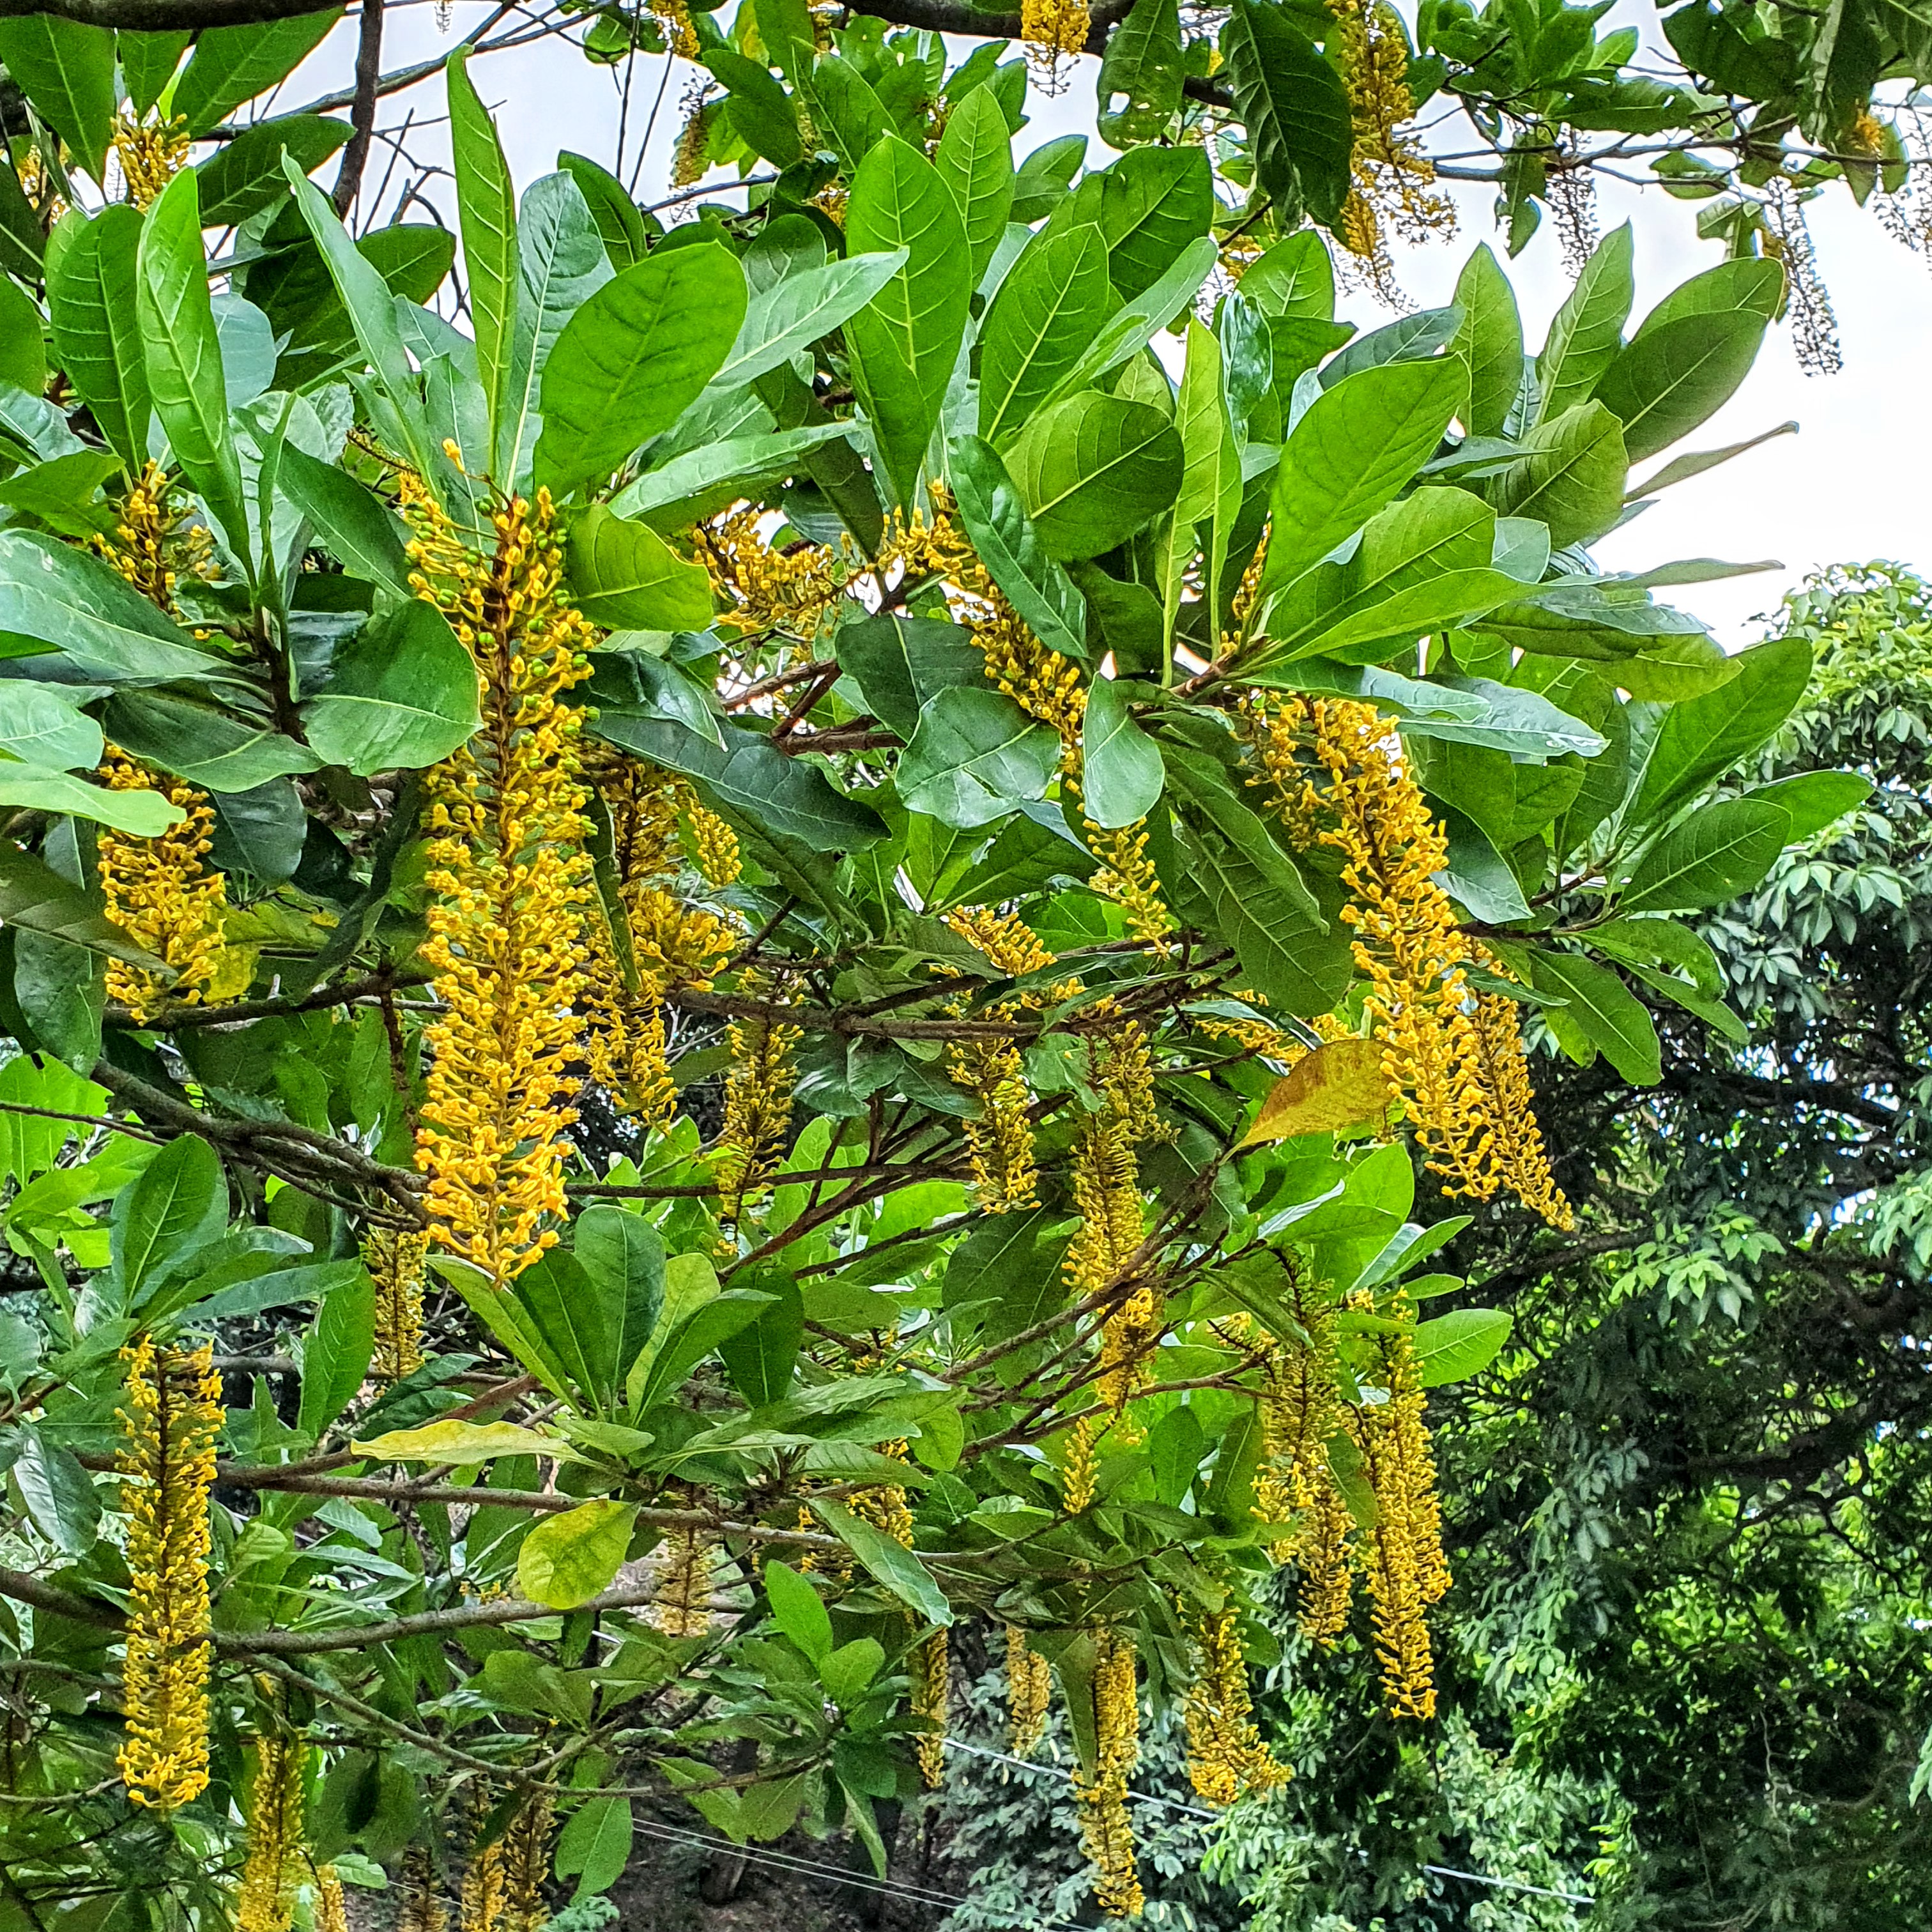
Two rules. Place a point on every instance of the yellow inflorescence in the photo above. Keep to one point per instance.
(689, 161)
(1055, 31)
(1226, 1755)
(169, 1426)
(266, 1901)
(150, 156)
(395, 1258)
(480, 1902)
(680, 37)
(885, 1506)
(1467, 1092)
(757, 1107)
(161, 893)
(931, 1688)
(1029, 1692)
(682, 1605)
(793, 590)
(507, 865)
(153, 543)
(332, 1912)
(1106, 1831)
(422, 1908)
(526, 1864)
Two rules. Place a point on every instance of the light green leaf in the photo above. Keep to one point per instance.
(800, 308)
(463, 1444)
(1042, 321)
(624, 576)
(706, 480)
(1753, 284)
(1295, 277)
(975, 160)
(1609, 1015)
(619, 222)
(975, 757)
(66, 68)
(1814, 800)
(799, 1610)
(1571, 477)
(1121, 771)
(361, 531)
(233, 64)
(39, 724)
(1672, 378)
(486, 209)
(1702, 738)
(1093, 469)
(146, 814)
(97, 331)
(594, 1846)
(178, 1205)
(1455, 1346)
(1588, 331)
(1490, 340)
(209, 748)
(401, 692)
(568, 1559)
(889, 1563)
(1132, 328)
(1717, 853)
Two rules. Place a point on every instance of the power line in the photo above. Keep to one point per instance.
(1513, 1884)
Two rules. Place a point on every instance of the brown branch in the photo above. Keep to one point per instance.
(362, 111)
(24, 1588)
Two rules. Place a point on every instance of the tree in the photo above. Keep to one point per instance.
(735, 968)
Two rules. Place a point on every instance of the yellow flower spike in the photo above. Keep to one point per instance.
(161, 893)
(482, 1902)
(886, 1507)
(507, 931)
(395, 1259)
(526, 1844)
(172, 1415)
(422, 1908)
(1226, 1755)
(757, 1107)
(793, 590)
(1077, 1476)
(266, 1900)
(332, 1912)
(1029, 1693)
(154, 544)
(682, 1606)
(1106, 1831)
(150, 156)
(999, 1137)
(932, 1687)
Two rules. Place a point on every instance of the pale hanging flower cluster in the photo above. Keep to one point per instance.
(685, 1563)
(507, 865)
(1029, 1693)
(421, 1908)
(1106, 1830)
(931, 1690)
(172, 1415)
(150, 156)
(526, 1856)
(161, 893)
(1392, 192)
(277, 1796)
(1340, 780)
(1055, 33)
(1814, 327)
(1227, 1756)
(395, 1258)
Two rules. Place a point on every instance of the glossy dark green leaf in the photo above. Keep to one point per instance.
(890, 1563)
(975, 757)
(1121, 771)
(1813, 801)
(900, 663)
(245, 176)
(361, 531)
(211, 749)
(233, 64)
(762, 113)
(486, 209)
(1041, 323)
(1718, 853)
(66, 68)
(58, 1495)
(1141, 70)
(148, 62)
(401, 692)
(1009, 547)
(179, 1203)
(1609, 1015)
(1283, 955)
(975, 160)
(1093, 469)
(1295, 108)
(34, 897)
(1153, 202)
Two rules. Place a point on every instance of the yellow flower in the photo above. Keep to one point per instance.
(276, 1797)
(1078, 1472)
(512, 878)
(682, 1605)
(482, 1902)
(526, 1864)
(421, 1908)
(395, 1258)
(792, 590)
(151, 156)
(154, 543)
(161, 893)
(757, 1107)
(331, 1913)
(1029, 1692)
(689, 160)
(1226, 1755)
(680, 37)
(1106, 1831)
(932, 1686)
(172, 1414)
(1055, 31)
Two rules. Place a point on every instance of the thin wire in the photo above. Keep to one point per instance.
(1513, 1884)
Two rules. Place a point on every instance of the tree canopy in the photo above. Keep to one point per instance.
(819, 934)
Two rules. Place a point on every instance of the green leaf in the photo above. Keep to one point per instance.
(889, 1563)
(634, 358)
(147, 63)
(1121, 771)
(594, 1846)
(1455, 1346)
(146, 815)
(1042, 322)
(464, 1444)
(486, 209)
(335, 1358)
(1134, 326)
(687, 1343)
(1490, 340)
(1813, 800)
(39, 724)
(1587, 334)
(185, 374)
(802, 307)
(850, 117)
(568, 1559)
(362, 532)
(23, 355)
(1609, 1015)
(1294, 106)
(623, 1256)
(1153, 202)
(704, 480)
(975, 160)
(975, 757)
(245, 176)
(66, 69)
(401, 692)
(1753, 284)
(903, 344)
(1007, 543)
(1355, 447)
(624, 576)
(1295, 278)
(901, 663)
(1674, 377)
(179, 1203)
(103, 629)
(760, 1357)
(761, 113)
(619, 224)
(1571, 477)
(1141, 70)
(58, 1494)
(231, 65)
(35, 898)
(1702, 738)
(209, 748)
(96, 332)
(1093, 469)
(799, 1610)
(1719, 852)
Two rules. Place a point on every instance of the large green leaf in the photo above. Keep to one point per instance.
(179, 1203)
(851, 118)
(245, 176)
(1609, 1015)
(762, 114)
(1753, 283)
(567, 1559)
(148, 64)
(618, 221)
(900, 663)
(35, 898)
(1460, 1344)
(1209, 495)
(1295, 279)
(975, 160)
(1717, 853)
(1588, 331)
(209, 748)
(402, 692)
(335, 1358)
(1357, 445)
(1490, 340)
(1701, 739)
(1153, 202)
(39, 723)
(233, 64)
(634, 358)
(29, 787)
(1571, 478)
(1294, 106)
(904, 344)
(1141, 71)
(486, 210)
(624, 576)
(1121, 771)
(623, 1256)
(66, 69)
(711, 478)
(799, 309)
(890, 1562)
(23, 354)
(1093, 469)
(975, 757)
(1677, 375)
(1136, 323)
(97, 331)
(1041, 323)
(1010, 548)
(362, 533)
(184, 373)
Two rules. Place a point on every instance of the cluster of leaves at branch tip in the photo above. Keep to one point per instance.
(757, 959)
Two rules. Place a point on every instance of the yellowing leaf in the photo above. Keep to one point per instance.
(461, 1443)
(1338, 1085)
(567, 1559)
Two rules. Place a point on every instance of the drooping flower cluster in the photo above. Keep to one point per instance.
(421, 1908)
(793, 590)
(526, 1863)
(1055, 33)
(1106, 1831)
(1341, 781)
(1226, 1755)
(507, 865)
(758, 1106)
(150, 155)
(480, 1903)
(932, 1691)
(266, 1901)
(395, 1258)
(161, 893)
(172, 1415)
(682, 1606)
(1029, 1693)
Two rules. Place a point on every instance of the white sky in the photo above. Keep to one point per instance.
(1855, 483)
